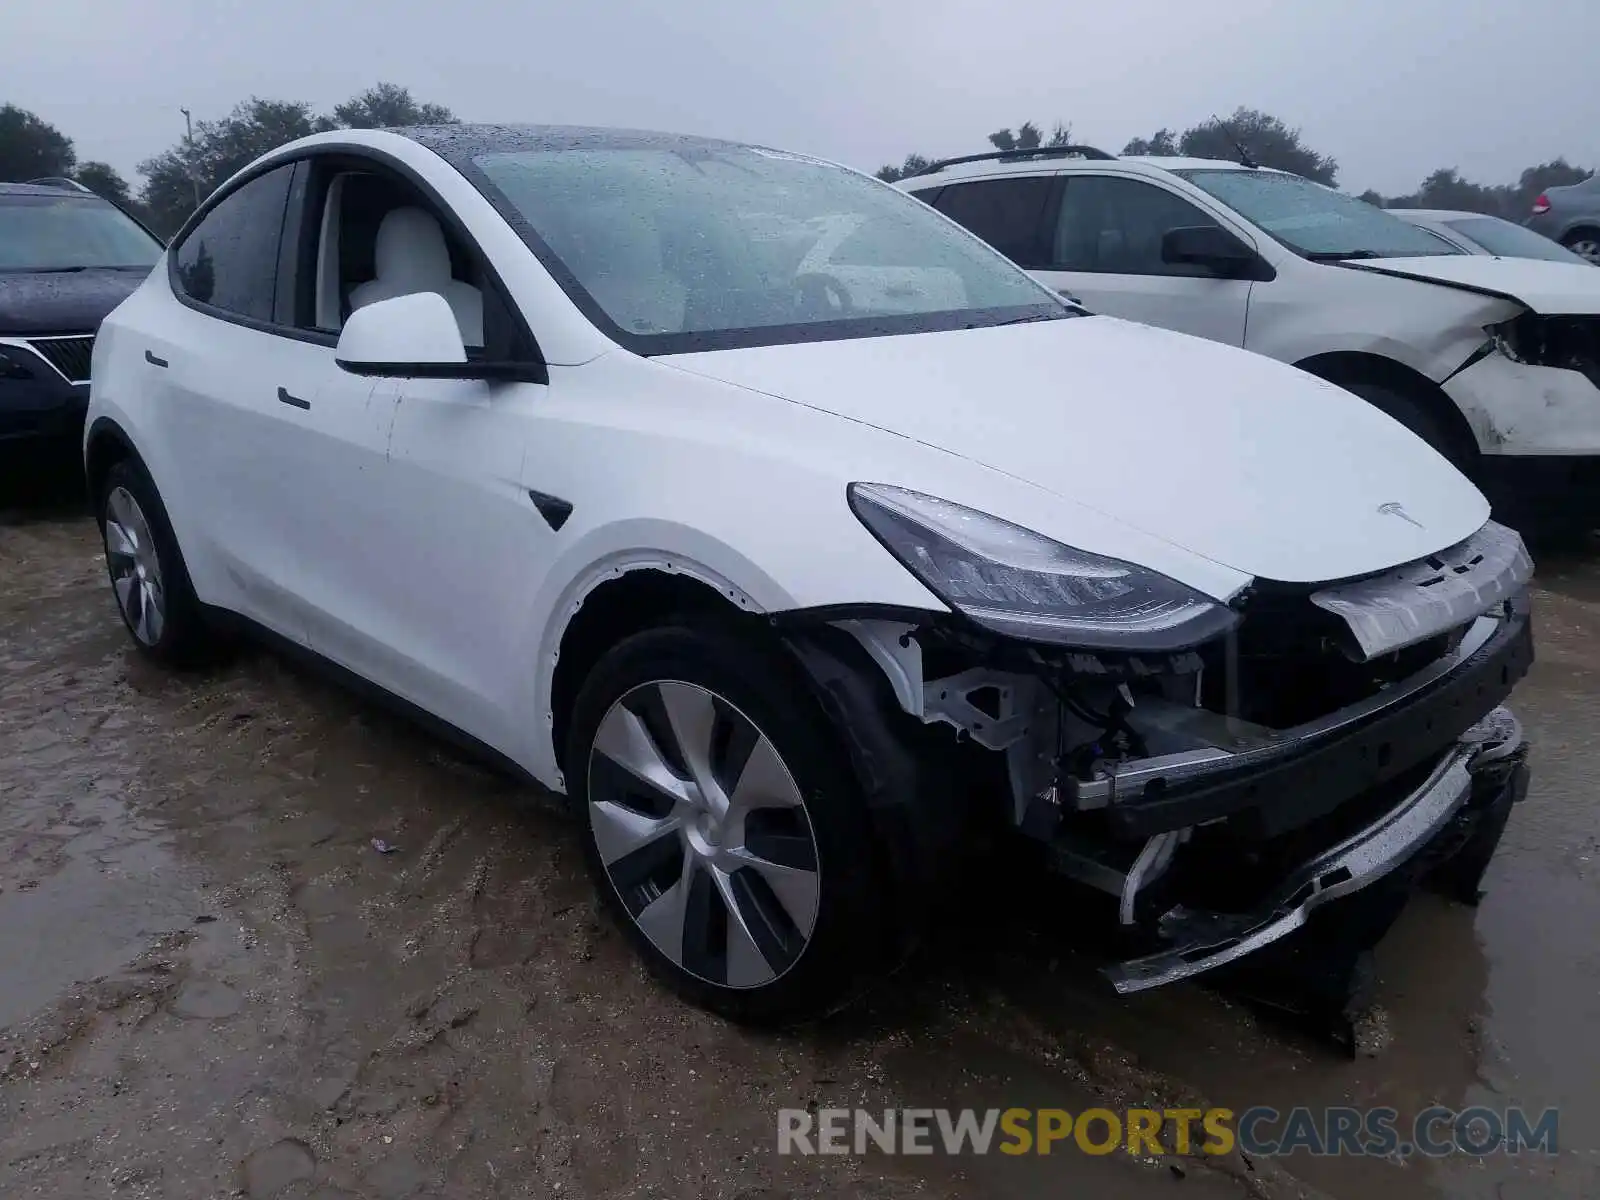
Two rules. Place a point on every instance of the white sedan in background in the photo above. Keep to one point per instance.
(1481, 233)
(798, 537)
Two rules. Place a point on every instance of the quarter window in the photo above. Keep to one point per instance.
(230, 259)
(1114, 226)
(1006, 213)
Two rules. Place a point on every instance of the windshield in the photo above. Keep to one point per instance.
(1313, 220)
(70, 232)
(1511, 241)
(696, 247)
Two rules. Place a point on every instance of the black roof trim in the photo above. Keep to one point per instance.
(1090, 152)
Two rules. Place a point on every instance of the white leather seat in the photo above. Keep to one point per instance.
(411, 257)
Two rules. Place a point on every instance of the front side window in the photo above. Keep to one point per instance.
(1511, 241)
(692, 247)
(1006, 213)
(71, 232)
(1114, 225)
(230, 259)
(1312, 220)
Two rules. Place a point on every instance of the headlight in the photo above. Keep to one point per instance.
(1020, 583)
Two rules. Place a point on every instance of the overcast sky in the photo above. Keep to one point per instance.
(1391, 88)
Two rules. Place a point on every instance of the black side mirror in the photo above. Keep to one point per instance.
(1208, 246)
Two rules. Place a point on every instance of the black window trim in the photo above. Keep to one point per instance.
(301, 161)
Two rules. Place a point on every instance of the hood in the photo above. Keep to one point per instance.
(1229, 455)
(62, 302)
(1553, 289)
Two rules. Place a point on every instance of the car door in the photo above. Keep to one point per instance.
(1105, 249)
(462, 550)
(427, 546)
(225, 367)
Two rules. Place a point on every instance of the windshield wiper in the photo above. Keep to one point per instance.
(1340, 255)
(1028, 320)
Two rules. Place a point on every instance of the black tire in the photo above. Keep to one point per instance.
(1584, 242)
(1415, 416)
(850, 939)
(183, 637)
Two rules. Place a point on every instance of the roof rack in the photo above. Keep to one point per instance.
(1015, 155)
(59, 181)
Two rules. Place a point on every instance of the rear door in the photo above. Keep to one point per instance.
(1105, 249)
(225, 367)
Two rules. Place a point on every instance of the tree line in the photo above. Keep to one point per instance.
(1269, 142)
(31, 148)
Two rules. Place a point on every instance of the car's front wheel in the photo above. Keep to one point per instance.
(723, 825)
(148, 576)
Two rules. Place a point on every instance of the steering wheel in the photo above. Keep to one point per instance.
(818, 294)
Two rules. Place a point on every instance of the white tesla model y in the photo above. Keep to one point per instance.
(796, 536)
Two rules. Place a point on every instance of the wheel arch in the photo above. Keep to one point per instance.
(105, 445)
(1579, 228)
(628, 598)
(1345, 367)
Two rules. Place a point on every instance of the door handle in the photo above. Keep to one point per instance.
(153, 360)
(292, 401)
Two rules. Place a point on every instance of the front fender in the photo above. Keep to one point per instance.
(787, 577)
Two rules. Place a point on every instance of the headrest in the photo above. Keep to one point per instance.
(411, 250)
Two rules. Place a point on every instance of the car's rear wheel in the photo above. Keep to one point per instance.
(148, 576)
(723, 825)
(1585, 243)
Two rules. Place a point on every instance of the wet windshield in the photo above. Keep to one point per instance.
(1313, 220)
(70, 232)
(1512, 241)
(703, 247)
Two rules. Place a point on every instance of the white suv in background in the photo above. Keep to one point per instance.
(1496, 362)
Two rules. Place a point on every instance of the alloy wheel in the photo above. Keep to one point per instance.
(704, 834)
(1586, 247)
(135, 567)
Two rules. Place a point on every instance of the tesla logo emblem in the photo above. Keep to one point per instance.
(1392, 509)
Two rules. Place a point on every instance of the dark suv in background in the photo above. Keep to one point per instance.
(67, 258)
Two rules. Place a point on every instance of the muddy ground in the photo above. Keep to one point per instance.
(212, 984)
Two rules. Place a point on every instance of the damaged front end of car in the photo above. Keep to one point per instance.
(1212, 773)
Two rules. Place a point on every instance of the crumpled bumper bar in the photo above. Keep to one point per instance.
(1421, 599)
(1314, 768)
(1201, 941)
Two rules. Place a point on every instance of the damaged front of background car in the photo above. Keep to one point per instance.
(1216, 771)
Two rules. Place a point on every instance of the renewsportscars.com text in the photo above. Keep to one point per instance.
(1260, 1131)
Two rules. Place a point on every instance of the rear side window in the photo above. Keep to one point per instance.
(230, 259)
(1009, 214)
